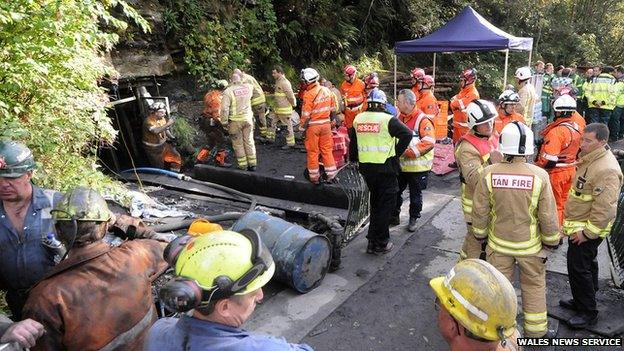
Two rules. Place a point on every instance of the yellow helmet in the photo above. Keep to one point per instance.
(480, 298)
(236, 263)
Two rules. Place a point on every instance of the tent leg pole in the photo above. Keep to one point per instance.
(395, 78)
(506, 67)
(434, 65)
(530, 54)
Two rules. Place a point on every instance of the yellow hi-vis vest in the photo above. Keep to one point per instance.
(374, 142)
(423, 163)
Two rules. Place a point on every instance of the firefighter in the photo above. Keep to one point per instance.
(212, 100)
(459, 102)
(527, 94)
(371, 82)
(513, 211)
(353, 93)
(560, 144)
(237, 118)
(219, 279)
(426, 101)
(476, 307)
(318, 106)
(473, 152)
(417, 160)
(376, 138)
(507, 102)
(339, 102)
(258, 102)
(588, 217)
(100, 296)
(157, 139)
(416, 75)
(285, 101)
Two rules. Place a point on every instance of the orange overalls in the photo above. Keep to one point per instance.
(458, 103)
(579, 120)
(503, 119)
(416, 92)
(318, 103)
(212, 104)
(562, 140)
(428, 104)
(354, 95)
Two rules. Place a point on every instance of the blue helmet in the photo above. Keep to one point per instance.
(377, 96)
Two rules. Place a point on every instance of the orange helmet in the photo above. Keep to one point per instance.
(469, 75)
(350, 70)
(418, 73)
(427, 79)
(371, 81)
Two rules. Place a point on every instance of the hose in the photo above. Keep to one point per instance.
(337, 236)
(185, 223)
(180, 176)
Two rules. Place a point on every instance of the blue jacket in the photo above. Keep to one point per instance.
(23, 259)
(192, 334)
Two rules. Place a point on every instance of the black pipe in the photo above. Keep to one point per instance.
(185, 223)
(252, 199)
(336, 232)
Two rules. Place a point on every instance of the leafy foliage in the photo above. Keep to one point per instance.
(49, 98)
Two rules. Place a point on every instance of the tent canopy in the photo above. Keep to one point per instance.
(468, 31)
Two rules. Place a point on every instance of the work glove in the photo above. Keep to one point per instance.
(164, 237)
(409, 153)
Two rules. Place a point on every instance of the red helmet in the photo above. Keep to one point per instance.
(350, 70)
(427, 79)
(371, 81)
(418, 73)
(469, 75)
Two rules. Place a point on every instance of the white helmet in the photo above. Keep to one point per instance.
(523, 73)
(509, 97)
(517, 139)
(480, 112)
(564, 103)
(309, 75)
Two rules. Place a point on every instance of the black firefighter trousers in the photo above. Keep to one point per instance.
(383, 189)
(583, 275)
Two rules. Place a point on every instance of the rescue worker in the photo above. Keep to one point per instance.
(474, 151)
(476, 307)
(24, 220)
(285, 101)
(560, 144)
(417, 160)
(337, 96)
(513, 211)
(601, 97)
(353, 93)
(371, 83)
(588, 217)
(258, 101)
(426, 101)
(237, 118)
(23, 333)
(459, 102)
(616, 125)
(157, 139)
(100, 297)
(417, 74)
(527, 94)
(547, 92)
(506, 110)
(376, 139)
(219, 278)
(318, 106)
(212, 100)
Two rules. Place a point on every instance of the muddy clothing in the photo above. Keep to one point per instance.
(188, 333)
(285, 102)
(159, 152)
(23, 258)
(212, 104)
(514, 207)
(150, 138)
(258, 102)
(98, 298)
(237, 116)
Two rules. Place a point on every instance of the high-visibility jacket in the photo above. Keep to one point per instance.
(578, 82)
(619, 92)
(503, 119)
(318, 103)
(353, 94)
(472, 154)
(212, 104)
(579, 121)
(258, 96)
(547, 89)
(374, 142)
(514, 208)
(236, 103)
(284, 97)
(416, 92)
(562, 140)
(528, 98)
(602, 90)
(592, 202)
(459, 103)
(428, 104)
(422, 142)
